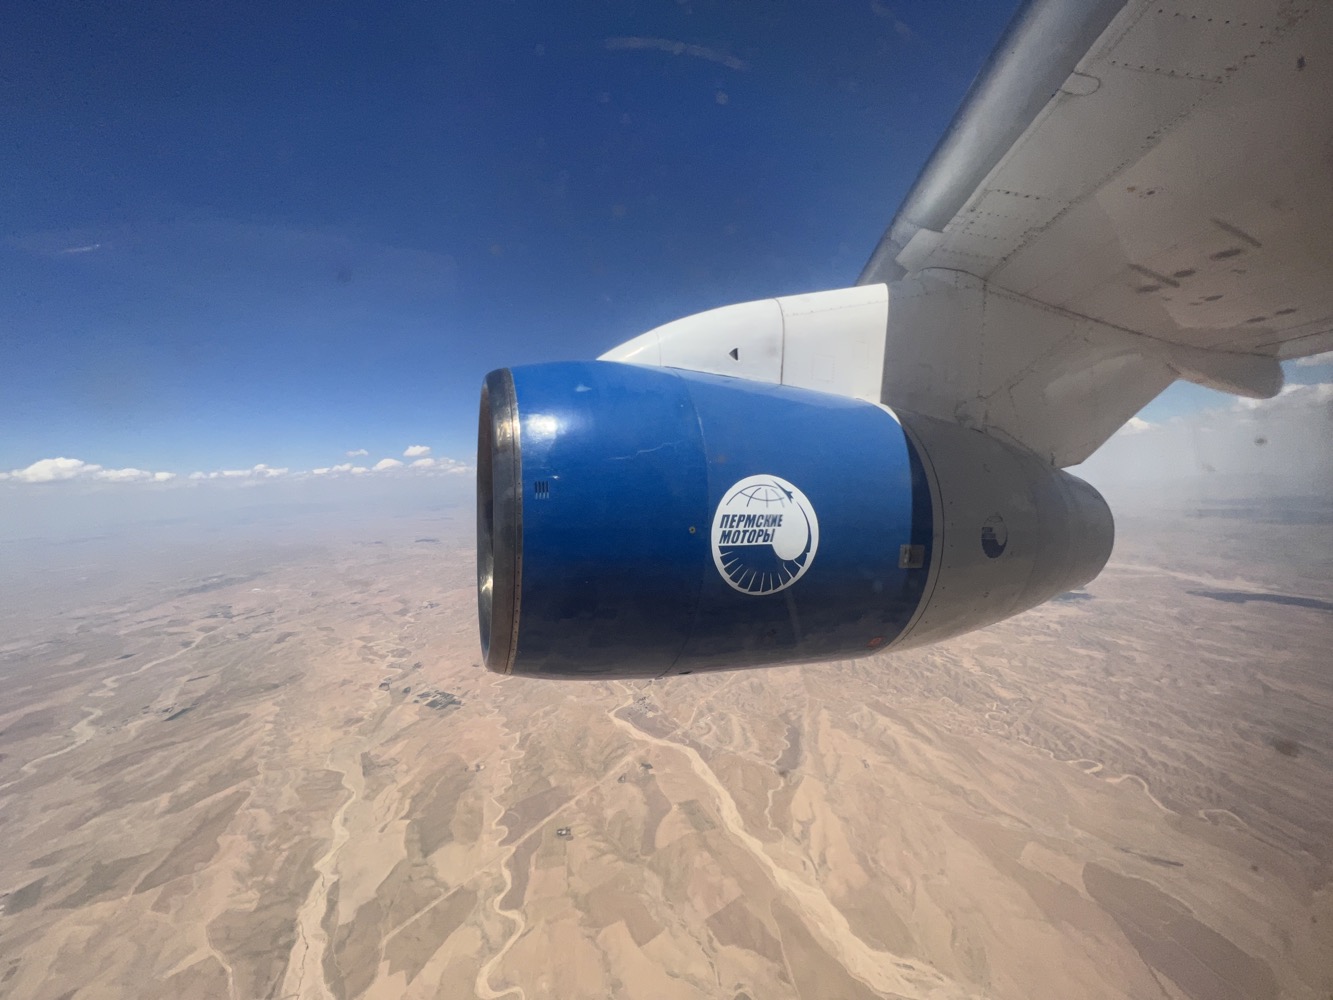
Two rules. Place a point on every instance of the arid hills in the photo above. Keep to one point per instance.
(233, 768)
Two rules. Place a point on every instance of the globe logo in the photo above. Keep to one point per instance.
(765, 535)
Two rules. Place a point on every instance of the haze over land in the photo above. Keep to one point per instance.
(251, 754)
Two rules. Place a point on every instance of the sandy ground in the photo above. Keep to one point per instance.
(285, 775)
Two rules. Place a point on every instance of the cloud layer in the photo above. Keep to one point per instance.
(1315, 360)
(57, 470)
(260, 471)
(1256, 447)
(54, 470)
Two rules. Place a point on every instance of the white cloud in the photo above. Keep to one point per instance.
(1292, 397)
(357, 453)
(50, 470)
(1249, 447)
(1136, 425)
(416, 450)
(260, 471)
(53, 470)
(425, 465)
(122, 475)
(1316, 359)
(448, 466)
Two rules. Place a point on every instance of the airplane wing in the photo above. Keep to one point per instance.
(1131, 193)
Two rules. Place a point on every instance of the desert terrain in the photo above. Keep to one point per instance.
(243, 765)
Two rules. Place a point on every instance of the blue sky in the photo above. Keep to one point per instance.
(242, 234)
(236, 234)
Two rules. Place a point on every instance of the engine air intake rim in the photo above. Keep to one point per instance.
(499, 520)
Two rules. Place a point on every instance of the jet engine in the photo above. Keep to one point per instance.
(639, 522)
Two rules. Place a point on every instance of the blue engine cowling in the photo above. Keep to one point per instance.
(637, 522)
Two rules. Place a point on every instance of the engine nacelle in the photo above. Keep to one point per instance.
(638, 522)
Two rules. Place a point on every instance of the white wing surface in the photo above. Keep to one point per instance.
(1131, 193)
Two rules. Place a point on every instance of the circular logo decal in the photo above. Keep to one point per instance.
(994, 536)
(765, 535)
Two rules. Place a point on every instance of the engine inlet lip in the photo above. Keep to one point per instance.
(499, 521)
